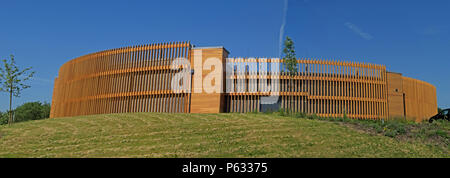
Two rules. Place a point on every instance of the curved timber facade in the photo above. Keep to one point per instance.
(118, 80)
(326, 88)
(138, 79)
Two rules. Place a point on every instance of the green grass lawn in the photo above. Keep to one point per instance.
(199, 135)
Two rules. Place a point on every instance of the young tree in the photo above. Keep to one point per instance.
(290, 61)
(12, 81)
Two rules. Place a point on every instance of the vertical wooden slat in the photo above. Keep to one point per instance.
(137, 79)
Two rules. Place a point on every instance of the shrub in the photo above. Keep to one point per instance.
(398, 127)
(442, 133)
(3, 118)
(28, 111)
(314, 116)
(378, 128)
(390, 133)
(282, 112)
(300, 115)
(32, 111)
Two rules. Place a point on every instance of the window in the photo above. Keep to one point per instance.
(445, 112)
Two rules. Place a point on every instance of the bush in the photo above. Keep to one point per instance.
(390, 133)
(378, 128)
(282, 112)
(398, 127)
(28, 111)
(442, 133)
(32, 111)
(313, 116)
(300, 115)
(3, 118)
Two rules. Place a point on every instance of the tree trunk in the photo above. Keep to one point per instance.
(10, 106)
(291, 96)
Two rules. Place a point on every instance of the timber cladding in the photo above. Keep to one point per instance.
(420, 99)
(325, 88)
(138, 79)
(130, 79)
(203, 102)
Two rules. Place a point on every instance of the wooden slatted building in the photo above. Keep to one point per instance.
(138, 79)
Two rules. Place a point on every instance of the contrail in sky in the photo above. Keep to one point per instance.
(358, 31)
(285, 9)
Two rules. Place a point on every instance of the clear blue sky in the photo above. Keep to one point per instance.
(410, 37)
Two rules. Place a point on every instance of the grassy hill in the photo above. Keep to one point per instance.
(199, 135)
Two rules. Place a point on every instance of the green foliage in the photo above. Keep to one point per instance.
(283, 112)
(269, 111)
(394, 128)
(3, 118)
(437, 131)
(442, 133)
(300, 115)
(12, 80)
(391, 133)
(32, 111)
(439, 128)
(378, 128)
(28, 111)
(290, 59)
(313, 116)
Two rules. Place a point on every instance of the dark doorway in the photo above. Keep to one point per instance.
(270, 107)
